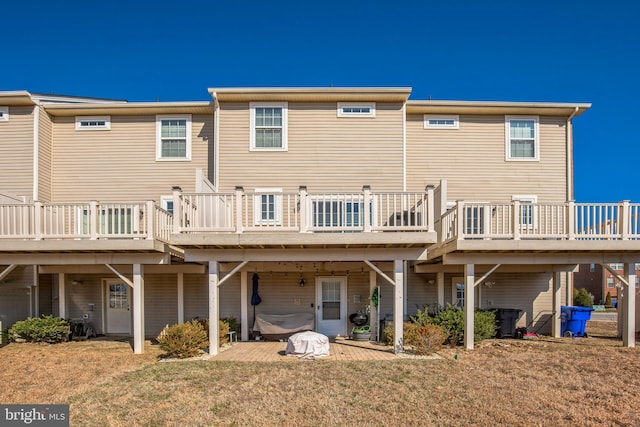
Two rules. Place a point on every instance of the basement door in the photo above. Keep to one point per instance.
(118, 311)
(331, 305)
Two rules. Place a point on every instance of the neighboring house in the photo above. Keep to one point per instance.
(146, 214)
(599, 281)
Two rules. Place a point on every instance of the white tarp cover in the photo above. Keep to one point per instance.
(272, 324)
(308, 345)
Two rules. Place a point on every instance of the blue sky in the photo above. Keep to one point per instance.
(570, 51)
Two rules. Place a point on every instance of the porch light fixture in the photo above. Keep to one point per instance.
(302, 282)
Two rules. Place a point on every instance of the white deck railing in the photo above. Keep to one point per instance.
(303, 212)
(517, 220)
(91, 220)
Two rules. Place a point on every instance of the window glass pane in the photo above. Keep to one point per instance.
(268, 207)
(522, 148)
(522, 129)
(174, 148)
(269, 138)
(174, 129)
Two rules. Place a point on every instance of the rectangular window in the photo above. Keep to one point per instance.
(4, 114)
(441, 122)
(166, 202)
(269, 126)
(617, 266)
(347, 214)
(93, 123)
(522, 141)
(357, 109)
(592, 268)
(268, 206)
(610, 282)
(528, 217)
(173, 137)
(474, 220)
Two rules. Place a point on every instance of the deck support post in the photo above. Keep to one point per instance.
(469, 303)
(138, 308)
(244, 315)
(373, 315)
(556, 294)
(214, 314)
(440, 285)
(629, 306)
(180, 289)
(62, 298)
(398, 306)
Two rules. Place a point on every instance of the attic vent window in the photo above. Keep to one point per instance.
(93, 123)
(441, 122)
(357, 109)
(4, 114)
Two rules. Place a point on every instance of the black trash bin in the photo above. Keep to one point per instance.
(506, 319)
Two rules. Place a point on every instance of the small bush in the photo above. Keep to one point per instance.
(425, 339)
(582, 298)
(223, 331)
(233, 324)
(47, 329)
(184, 339)
(451, 319)
(607, 301)
(484, 323)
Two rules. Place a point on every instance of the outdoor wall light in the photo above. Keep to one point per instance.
(302, 282)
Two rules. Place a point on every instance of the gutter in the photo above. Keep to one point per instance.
(569, 130)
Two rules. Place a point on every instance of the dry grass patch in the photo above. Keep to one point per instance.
(585, 381)
(51, 373)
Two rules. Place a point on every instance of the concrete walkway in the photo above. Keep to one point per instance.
(342, 349)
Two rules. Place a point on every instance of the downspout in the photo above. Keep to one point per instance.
(570, 155)
(570, 195)
(216, 137)
(36, 149)
(404, 146)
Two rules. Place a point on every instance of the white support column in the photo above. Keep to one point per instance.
(62, 299)
(244, 315)
(36, 291)
(138, 308)
(440, 284)
(304, 223)
(405, 286)
(373, 319)
(214, 314)
(629, 325)
(469, 288)
(398, 313)
(556, 296)
(180, 285)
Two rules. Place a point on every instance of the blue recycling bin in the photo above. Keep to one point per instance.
(574, 320)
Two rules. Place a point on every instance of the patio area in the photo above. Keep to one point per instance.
(340, 349)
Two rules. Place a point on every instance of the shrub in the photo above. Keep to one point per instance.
(607, 301)
(223, 329)
(484, 325)
(233, 324)
(451, 319)
(425, 339)
(582, 298)
(184, 339)
(46, 329)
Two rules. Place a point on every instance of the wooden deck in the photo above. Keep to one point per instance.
(341, 349)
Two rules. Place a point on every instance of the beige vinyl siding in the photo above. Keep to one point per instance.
(420, 293)
(45, 141)
(16, 152)
(120, 164)
(325, 152)
(45, 293)
(160, 302)
(88, 290)
(472, 159)
(196, 296)
(15, 295)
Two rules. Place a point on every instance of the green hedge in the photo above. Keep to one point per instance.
(47, 329)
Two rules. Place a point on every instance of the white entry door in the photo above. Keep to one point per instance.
(118, 312)
(331, 303)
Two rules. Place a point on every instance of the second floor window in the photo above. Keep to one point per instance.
(269, 126)
(173, 137)
(522, 138)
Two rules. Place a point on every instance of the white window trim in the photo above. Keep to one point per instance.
(257, 203)
(252, 125)
(5, 114)
(527, 199)
(164, 200)
(159, 119)
(343, 105)
(454, 117)
(536, 142)
(80, 119)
